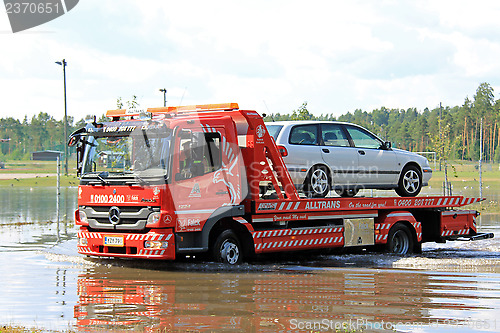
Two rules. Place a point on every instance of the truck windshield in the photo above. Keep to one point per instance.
(140, 150)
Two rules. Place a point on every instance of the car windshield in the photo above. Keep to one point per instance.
(136, 149)
(274, 130)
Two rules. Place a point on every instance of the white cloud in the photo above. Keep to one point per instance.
(336, 55)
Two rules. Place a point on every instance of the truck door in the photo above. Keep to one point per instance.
(204, 178)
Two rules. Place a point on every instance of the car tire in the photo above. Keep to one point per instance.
(347, 193)
(317, 183)
(227, 248)
(400, 240)
(410, 182)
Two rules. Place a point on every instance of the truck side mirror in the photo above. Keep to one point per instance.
(76, 136)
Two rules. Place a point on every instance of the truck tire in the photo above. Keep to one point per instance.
(317, 183)
(410, 182)
(400, 240)
(227, 248)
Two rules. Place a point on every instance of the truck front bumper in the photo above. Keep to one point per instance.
(156, 244)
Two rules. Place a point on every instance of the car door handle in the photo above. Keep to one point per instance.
(361, 152)
(325, 150)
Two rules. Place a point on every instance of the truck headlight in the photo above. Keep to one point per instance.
(82, 241)
(153, 217)
(83, 216)
(155, 244)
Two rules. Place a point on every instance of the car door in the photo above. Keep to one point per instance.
(303, 150)
(377, 165)
(337, 152)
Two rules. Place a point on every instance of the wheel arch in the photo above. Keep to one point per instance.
(416, 244)
(320, 165)
(243, 233)
(410, 163)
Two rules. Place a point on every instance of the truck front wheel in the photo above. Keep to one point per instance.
(227, 248)
(400, 240)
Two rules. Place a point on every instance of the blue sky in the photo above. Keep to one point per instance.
(265, 55)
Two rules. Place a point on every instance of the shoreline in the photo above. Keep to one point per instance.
(7, 176)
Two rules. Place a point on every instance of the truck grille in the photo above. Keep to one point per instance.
(127, 217)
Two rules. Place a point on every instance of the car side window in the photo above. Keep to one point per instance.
(304, 135)
(333, 135)
(362, 138)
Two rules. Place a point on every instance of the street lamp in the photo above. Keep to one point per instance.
(164, 91)
(63, 63)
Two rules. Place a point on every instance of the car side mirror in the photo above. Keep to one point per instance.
(388, 144)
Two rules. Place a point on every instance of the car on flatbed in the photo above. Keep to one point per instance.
(325, 155)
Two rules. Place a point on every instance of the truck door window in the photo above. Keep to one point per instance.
(199, 154)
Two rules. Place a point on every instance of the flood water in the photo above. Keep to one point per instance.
(46, 284)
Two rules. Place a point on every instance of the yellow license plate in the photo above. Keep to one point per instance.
(114, 241)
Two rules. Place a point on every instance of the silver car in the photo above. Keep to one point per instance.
(322, 156)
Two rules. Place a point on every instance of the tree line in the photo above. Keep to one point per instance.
(451, 131)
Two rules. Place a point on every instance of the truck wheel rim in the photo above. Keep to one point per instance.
(411, 181)
(319, 181)
(230, 252)
(401, 242)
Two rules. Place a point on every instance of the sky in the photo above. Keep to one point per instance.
(266, 55)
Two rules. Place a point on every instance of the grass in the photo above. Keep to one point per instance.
(37, 167)
(30, 167)
(21, 329)
(40, 181)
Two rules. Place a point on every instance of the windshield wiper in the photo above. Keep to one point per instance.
(103, 175)
(137, 181)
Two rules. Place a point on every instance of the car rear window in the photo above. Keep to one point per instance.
(304, 135)
(274, 130)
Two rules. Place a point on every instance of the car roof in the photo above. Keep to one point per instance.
(305, 122)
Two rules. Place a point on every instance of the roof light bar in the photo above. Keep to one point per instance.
(196, 108)
(174, 109)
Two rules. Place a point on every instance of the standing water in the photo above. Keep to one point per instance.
(46, 284)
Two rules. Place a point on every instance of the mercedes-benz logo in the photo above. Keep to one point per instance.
(114, 215)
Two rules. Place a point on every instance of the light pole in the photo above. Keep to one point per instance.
(164, 91)
(63, 63)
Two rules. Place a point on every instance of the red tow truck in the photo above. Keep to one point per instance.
(177, 181)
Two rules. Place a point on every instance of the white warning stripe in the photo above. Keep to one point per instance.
(461, 232)
(416, 225)
(299, 243)
(291, 232)
(400, 214)
(458, 212)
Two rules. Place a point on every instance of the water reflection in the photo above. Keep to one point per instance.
(152, 301)
(21, 205)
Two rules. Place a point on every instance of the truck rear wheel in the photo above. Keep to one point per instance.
(227, 248)
(400, 240)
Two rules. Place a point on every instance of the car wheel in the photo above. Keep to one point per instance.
(347, 193)
(227, 248)
(400, 240)
(410, 182)
(317, 184)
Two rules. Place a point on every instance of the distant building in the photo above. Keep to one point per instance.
(46, 155)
